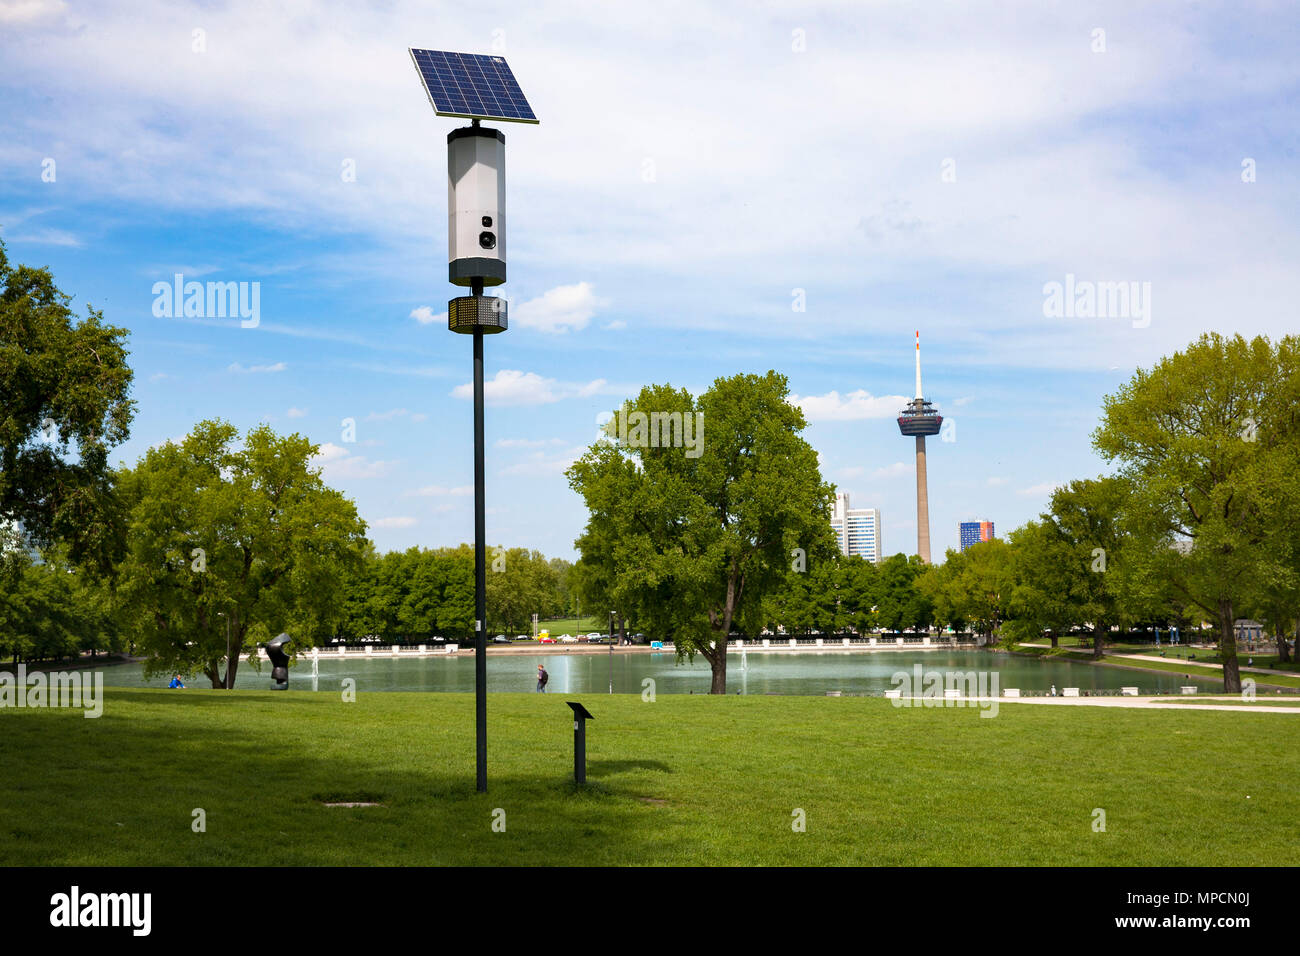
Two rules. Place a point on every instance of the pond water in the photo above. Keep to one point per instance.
(783, 672)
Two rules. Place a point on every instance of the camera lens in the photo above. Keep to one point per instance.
(487, 222)
(487, 240)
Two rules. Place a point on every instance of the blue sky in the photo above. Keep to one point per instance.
(906, 165)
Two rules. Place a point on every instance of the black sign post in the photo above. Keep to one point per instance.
(580, 718)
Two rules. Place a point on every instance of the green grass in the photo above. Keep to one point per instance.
(573, 625)
(684, 780)
(1191, 668)
(1236, 701)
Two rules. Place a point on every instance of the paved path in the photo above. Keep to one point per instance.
(1147, 703)
(1150, 703)
(1169, 660)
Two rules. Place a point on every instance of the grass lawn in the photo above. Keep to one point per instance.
(684, 780)
(573, 625)
(1238, 702)
(1177, 666)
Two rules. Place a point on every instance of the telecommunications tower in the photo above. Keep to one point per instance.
(919, 419)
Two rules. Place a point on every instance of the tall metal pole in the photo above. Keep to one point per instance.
(480, 577)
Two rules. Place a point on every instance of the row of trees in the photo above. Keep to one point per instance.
(424, 592)
(208, 546)
(1199, 522)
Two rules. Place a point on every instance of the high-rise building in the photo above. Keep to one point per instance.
(973, 532)
(857, 529)
(919, 419)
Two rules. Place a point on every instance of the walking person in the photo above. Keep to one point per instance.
(542, 678)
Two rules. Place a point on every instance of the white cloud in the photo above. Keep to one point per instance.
(562, 309)
(436, 491)
(425, 315)
(1043, 490)
(615, 325)
(24, 11)
(997, 481)
(399, 522)
(296, 412)
(337, 462)
(515, 387)
(256, 369)
(539, 464)
(855, 406)
(892, 471)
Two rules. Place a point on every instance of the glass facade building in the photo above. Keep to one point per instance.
(857, 529)
(973, 532)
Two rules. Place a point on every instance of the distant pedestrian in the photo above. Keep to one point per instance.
(176, 682)
(542, 678)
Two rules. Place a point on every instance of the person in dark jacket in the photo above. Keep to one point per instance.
(542, 678)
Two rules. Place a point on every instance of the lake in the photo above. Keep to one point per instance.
(775, 672)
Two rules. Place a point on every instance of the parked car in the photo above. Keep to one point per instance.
(595, 638)
(500, 639)
(547, 639)
(523, 637)
(569, 638)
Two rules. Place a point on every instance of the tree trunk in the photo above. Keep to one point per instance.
(1052, 636)
(719, 684)
(1228, 648)
(1098, 641)
(1283, 654)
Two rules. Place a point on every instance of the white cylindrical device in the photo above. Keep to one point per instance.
(476, 206)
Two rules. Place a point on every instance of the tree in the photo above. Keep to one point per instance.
(226, 546)
(690, 538)
(972, 586)
(520, 583)
(1046, 576)
(1084, 521)
(1208, 440)
(63, 406)
(899, 605)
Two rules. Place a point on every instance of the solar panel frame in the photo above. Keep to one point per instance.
(471, 86)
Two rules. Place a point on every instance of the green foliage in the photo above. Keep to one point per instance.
(417, 592)
(688, 544)
(1208, 442)
(972, 587)
(520, 583)
(51, 608)
(64, 404)
(228, 546)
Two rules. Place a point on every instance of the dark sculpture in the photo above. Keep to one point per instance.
(279, 662)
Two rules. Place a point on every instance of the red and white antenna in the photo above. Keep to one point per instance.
(918, 363)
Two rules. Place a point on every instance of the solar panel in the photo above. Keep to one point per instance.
(472, 86)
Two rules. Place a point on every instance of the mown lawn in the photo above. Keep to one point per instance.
(683, 780)
(1190, 668)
